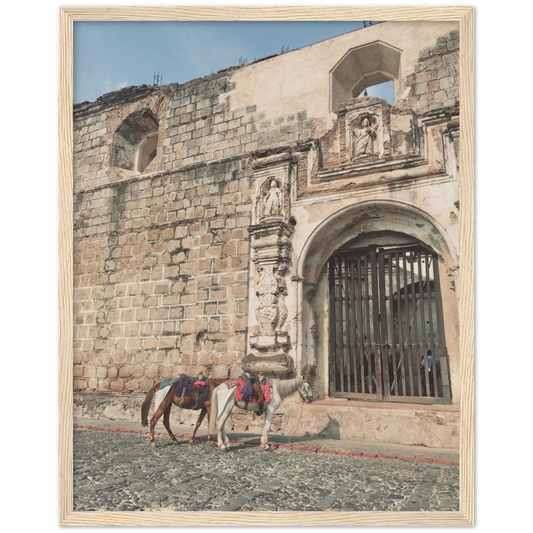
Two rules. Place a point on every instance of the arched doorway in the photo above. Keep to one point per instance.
(381, 242)
(386, 328)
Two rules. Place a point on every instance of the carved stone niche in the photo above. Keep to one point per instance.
(367, 131)
(271, 193)
(371, 139)
(268, 341)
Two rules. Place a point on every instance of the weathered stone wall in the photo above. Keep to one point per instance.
(161, 276)
(168, 262)
(203, 127)
(435, 81)
(95, 125)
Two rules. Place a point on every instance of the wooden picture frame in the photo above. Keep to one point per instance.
(465, 17)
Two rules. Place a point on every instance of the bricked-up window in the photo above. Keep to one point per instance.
(363, 67)
(135, 141)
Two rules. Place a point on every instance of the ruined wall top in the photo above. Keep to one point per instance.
(275, 102)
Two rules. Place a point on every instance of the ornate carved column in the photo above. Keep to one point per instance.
(268, 340)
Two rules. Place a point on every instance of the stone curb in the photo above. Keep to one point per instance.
(288, 447)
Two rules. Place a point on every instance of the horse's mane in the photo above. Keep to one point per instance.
(285, 387)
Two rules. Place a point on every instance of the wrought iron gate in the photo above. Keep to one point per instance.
(386, 328)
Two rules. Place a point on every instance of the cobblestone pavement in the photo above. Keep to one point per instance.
(121, 472)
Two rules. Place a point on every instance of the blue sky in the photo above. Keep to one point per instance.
(112, 55)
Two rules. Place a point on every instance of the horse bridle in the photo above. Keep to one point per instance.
(305, 398)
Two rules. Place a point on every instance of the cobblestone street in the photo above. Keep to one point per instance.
(121, 472)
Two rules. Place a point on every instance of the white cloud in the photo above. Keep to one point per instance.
(121, 85)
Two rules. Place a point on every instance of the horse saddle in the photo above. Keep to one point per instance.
(189, 386)
(247, 392)
(246, 396)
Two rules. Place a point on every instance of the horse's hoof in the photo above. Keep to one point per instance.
(153, 445)
(223, 449)
(191, 441)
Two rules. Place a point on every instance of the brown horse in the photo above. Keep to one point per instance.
(187, 402)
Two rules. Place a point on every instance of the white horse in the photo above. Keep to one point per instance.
(223, 402)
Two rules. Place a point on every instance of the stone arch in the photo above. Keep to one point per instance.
(135, 141)
(363, 67)
(371, 216)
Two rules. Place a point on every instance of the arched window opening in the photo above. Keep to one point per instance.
(135, 141)
(361, 68)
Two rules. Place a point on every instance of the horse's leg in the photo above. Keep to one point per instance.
(223, 441)
(269, 415)
(153, 422)
(166, 403)
(209, 436)
(198, 424)
(166, 423)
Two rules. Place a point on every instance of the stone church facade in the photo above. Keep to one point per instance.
(267, 218)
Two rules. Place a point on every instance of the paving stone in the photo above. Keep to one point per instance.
(120, 471)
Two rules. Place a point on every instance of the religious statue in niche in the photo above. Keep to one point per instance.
(273, 202)
(363, 140)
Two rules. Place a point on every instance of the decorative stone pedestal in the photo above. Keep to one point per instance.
(278, 366)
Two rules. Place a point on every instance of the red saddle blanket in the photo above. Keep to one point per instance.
(239, 383)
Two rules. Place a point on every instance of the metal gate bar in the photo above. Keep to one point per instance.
(383, 322)
(392, 331)
(375, 345)
(440, 347)
(350, 328)
(400, 324)
(365, 334)
(432, 346)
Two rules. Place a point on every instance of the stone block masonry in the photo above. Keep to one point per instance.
(202, 127)
(162, 259)
(435, 81)
(161, 277)
(197, 125)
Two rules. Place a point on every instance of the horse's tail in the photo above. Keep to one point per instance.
(146, 406)
(213, 412)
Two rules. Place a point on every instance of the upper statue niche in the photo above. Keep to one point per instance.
(364, 138)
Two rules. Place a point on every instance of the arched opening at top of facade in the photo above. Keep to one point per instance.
(362, 68)
(135, 142)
